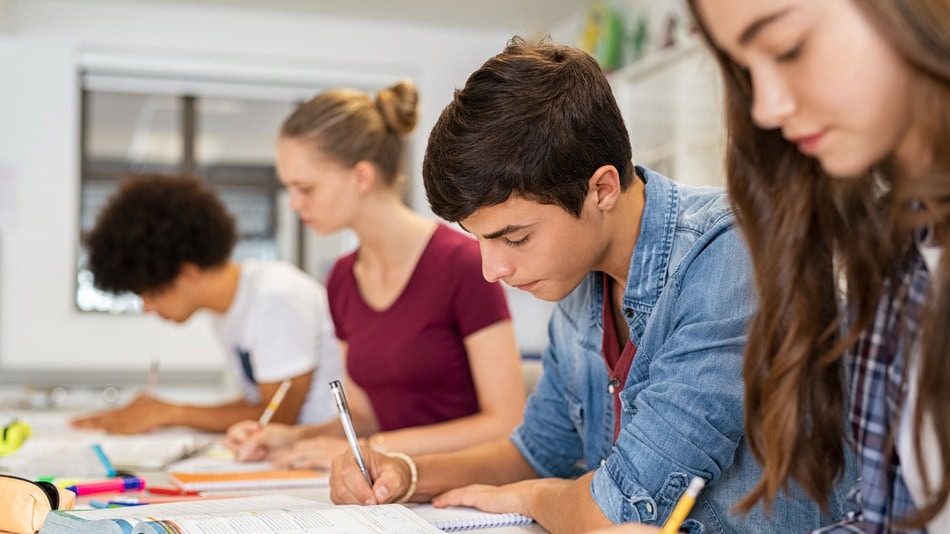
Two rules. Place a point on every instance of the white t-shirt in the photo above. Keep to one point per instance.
(905, 433)
(278, 327)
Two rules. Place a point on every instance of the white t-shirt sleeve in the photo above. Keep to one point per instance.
(283, 334)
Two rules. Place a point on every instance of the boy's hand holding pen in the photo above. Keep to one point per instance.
(274, 403)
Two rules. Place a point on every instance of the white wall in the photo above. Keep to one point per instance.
(670, 97)
(39, 159)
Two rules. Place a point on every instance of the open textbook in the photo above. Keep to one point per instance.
(53, 437)
(272, 514)
(153, 452)
(263, 514)
(67, 455)
(216, 459)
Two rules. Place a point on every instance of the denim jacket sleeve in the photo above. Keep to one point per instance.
(683, 401)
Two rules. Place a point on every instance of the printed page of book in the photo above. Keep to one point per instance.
(198, 507)
(263, 514)
(382, 519)
(121, 520)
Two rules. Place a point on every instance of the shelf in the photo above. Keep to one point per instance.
(653, 61)
(671, 105)
(671, 148)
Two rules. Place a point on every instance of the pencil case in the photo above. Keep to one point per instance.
(24, 503)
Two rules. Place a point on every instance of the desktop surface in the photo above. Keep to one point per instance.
(50, 428)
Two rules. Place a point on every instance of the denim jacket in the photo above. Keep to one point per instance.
(687, 302)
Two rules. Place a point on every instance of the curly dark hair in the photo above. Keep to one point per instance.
(150, 226)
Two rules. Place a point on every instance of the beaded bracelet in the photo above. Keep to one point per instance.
(413, 475)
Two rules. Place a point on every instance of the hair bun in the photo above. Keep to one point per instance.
(398, 105)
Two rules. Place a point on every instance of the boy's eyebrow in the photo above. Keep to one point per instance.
(504, 231)
(753, 29)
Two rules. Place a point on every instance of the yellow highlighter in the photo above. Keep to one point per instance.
(13, 435)
(683, 506)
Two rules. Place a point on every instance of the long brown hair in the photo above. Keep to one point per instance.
(806, 231)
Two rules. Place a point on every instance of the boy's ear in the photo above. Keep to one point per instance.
(189, 271)
(604, 184)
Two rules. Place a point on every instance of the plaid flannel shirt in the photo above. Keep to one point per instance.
(875, 368)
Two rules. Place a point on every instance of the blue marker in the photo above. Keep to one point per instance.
(110, 470)
(114, 504)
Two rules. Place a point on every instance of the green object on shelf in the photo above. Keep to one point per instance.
(639, 38)
(603, 35)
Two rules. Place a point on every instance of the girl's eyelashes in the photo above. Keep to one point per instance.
(791, 54)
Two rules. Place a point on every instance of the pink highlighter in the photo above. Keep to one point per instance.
(108, 486)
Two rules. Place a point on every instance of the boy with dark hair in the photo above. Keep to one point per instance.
(168, 239)
(642, 382)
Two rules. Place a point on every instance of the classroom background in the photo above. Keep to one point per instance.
(94, 89)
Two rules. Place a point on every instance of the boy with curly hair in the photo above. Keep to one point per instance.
(168, 239)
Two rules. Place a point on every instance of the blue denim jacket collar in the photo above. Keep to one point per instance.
(651, 255)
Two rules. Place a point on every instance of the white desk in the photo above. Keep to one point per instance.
(47, 424)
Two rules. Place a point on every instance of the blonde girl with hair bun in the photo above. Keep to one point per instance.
(431, 362)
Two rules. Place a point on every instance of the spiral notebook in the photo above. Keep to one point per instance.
(239, 480)
(456, 518)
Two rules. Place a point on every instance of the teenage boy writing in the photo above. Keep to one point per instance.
(642, 384)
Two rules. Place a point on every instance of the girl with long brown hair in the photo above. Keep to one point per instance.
(838, 114)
